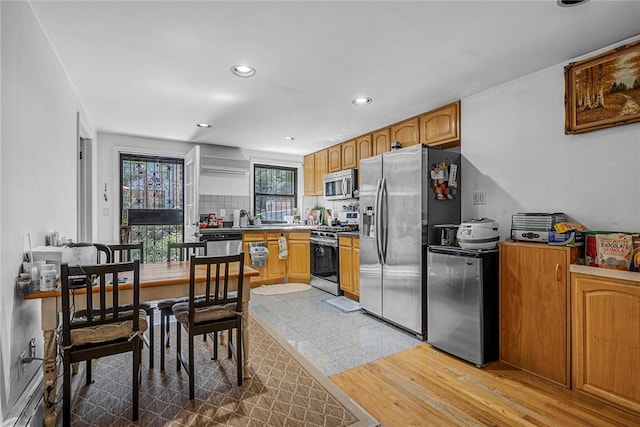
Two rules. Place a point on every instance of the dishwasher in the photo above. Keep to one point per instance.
(222, 241)
(462, 302)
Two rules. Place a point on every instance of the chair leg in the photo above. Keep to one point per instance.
(239, 360)
(229, 343)
(215, 346)
(88, 372)
(66, 392)
(168, 329)
(162, 339)
(136, 384)
(151, 335)
(178, 348)
(192, 386)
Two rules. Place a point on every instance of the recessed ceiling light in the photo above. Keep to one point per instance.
(570, 3)
(362, 101)
(288, 138)
(203, 125)
(243, 70)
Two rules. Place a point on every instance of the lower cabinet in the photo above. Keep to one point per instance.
(295, 267)
(350, 266)
(606, 337)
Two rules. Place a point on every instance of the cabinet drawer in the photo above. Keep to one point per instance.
(344, 241)
(298, 235)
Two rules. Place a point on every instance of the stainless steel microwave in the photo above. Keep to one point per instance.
(340, 185)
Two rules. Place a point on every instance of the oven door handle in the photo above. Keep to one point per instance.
(378, 220)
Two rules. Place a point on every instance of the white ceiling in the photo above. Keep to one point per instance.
(155, 68)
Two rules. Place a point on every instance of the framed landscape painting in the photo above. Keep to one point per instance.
(603, 91)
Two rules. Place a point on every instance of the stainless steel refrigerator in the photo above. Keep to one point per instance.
(400, 206)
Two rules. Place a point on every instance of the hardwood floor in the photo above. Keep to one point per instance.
(424, 386)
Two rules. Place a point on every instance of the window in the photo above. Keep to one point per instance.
(275, 192)
(151, 203)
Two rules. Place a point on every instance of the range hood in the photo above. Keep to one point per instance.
(222, 160)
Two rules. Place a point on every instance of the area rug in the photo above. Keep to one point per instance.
(343, 304)
(284, 390)
(282, 288)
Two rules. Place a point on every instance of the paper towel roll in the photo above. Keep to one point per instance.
(236, 218)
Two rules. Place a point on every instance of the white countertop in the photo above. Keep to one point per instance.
(632, 276)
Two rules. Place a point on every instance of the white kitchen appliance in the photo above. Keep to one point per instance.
(478, 233)
(351, 218)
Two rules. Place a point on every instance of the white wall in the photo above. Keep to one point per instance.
(37, 175)
(515, 149)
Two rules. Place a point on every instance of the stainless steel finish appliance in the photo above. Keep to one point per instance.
(325, 258)
(222, 241)
(534, 226)
(462, 302)
(340, 185)
(399, 209)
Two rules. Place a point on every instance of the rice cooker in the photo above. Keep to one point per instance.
(478, 233)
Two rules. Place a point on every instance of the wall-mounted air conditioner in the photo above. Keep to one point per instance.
(228, 162)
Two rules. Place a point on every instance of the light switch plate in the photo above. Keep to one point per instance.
(479, 197)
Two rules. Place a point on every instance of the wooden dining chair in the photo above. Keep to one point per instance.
(218, 309)
(176, 251)
(104, 253)
(105, 329)
(125, 252)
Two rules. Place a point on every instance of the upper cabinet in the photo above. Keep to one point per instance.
(322, 164)
(335, 158)
(441, 127)
(349, 154)
(309, 175)
(364, 148)
(406, 132)
(381, 141)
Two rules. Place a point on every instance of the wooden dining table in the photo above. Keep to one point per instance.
(157, 281)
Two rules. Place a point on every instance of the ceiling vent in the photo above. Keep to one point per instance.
(221, 160)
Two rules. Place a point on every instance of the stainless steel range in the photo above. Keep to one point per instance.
(325, 258)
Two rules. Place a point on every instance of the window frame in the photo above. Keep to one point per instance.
(294, 196)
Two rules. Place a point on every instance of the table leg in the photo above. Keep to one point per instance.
(50, 368)
(245, 340)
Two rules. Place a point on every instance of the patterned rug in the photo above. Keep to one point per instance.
(284, 390)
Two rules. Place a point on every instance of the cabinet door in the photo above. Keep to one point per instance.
(346, 264)
(356, 266)
(406, 132)
(364, 148)
(276, 267)
(381, 141)
(441, 127)
(349, 155)
(248, 237)
(299, 261)
(335, 158)
(321, 163)
(309, 175)
(606, 339)
(534, 308)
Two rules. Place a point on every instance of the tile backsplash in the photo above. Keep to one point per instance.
(212, 203)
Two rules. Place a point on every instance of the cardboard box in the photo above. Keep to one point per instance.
(571, 238)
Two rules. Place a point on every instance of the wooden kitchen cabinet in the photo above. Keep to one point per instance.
(310, 175)
(441, 127)
(299, 260)
(276, 267)
(335, 158)
(534, 308)
(606, 335)
(407, 132)
(349, 154)
(364, 148)
(321, 163)
(381, 141)
(250, 237)
(349, 266)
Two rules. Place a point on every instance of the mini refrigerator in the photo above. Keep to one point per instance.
(462, 302)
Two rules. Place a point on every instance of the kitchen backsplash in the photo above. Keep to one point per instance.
(213, 203)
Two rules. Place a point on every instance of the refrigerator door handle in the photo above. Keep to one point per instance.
(377, 220)
(383, 219)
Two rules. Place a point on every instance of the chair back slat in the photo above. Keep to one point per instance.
(126, 252)
(103, 251)
(107, 310)
(220, 282)
(181, 251)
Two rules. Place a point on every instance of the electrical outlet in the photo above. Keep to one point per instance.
(32, 348)
(479, 197)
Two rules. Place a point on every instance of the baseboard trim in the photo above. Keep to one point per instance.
(29, 408)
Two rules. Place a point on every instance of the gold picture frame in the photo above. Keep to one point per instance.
(603, 91)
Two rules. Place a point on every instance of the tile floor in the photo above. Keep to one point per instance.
(331, 340)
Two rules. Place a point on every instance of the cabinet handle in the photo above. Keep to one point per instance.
(557, 271)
